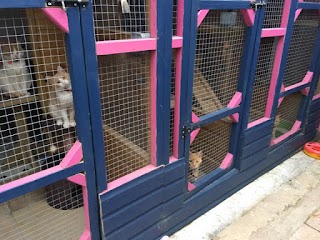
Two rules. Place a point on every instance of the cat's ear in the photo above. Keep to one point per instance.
(60, 69)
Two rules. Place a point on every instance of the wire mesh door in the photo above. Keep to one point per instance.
(217, 85)
(43, 192)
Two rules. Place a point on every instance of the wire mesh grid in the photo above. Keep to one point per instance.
(311, 0)
(262, 79)
(125, 99)
(174, 17)
(172, 100)
(114, 19)
(287, 114)
(209, 149)
(53, 212)
(301, 47)
(220, 40)
(273, 14)
(32, 65)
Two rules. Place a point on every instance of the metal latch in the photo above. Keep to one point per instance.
(185, 131)
(67, 3)
(258, 5)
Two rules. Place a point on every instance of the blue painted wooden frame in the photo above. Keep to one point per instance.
(22, 4)
(164, 65)
(77, 68)
(93, 86)
(189, 43)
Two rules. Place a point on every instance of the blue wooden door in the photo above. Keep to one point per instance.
(48, 186)
(219, 50)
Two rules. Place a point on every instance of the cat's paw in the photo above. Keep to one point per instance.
(72, 124)
(66, 125)
(59, 122)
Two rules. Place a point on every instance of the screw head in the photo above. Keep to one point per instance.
(49, 3)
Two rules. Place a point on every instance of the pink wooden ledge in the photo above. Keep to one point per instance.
(257, 122)
(227, 161)
(58, 17)
(86, 234)
(132, 45)
(129, 177)
(73, 157)
(235, 102)
(273, 32)
(201, 16)
(247, 14)
(316, 97)
(295, 128)
(194, 132)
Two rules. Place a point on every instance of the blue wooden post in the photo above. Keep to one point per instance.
(76, 60)
(164, 65)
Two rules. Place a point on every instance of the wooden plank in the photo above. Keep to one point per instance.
(204, 94)
(129, 147)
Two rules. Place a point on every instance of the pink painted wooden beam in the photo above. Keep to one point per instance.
(79, 179)
(194, 132)
(298, 11)
(285, 13)
(227, 161)
(273, 32)
(132, 45)
(129, 177)
(282, 91)
(235, 102)
(257, 122)
(86, 234)
(306, 79)
(58, 17)
(30, 178)
(73, 157)
(248, 16)
(191, 186)
(295, 128)
(201, 16)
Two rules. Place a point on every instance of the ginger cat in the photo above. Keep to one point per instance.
(195, 160)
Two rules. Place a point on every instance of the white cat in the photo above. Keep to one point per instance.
(61, 99)
(15, 79)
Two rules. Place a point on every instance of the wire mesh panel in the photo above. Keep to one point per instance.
(273, 14)
(36, 104)
(301, 47)
(219, 47)
(262, 79)
(287, 114)
(114, 19)
(54, 212)
(125, 99)
(209, 149)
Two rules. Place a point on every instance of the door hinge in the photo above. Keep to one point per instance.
(258, 5)
(185, 131)
(67, 3)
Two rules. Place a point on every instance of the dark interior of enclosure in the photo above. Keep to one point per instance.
(262, 80)
(28, 131)
(287, 114)
(301, 47)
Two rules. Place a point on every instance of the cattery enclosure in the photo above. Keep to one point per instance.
(177, 104)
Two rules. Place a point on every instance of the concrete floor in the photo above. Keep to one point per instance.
(283, 204)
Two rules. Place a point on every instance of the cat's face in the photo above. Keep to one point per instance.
(195, 160)
(61, 80)
(11, 51)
